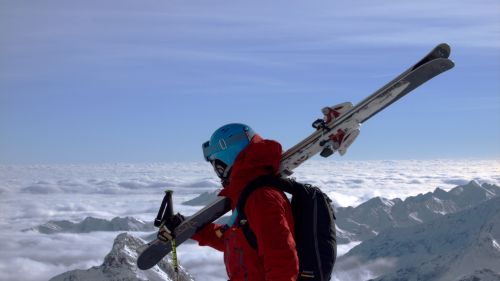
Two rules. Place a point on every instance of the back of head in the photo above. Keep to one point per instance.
(225, 145)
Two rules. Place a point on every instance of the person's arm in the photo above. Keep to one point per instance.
(208, 237)
(267, 210)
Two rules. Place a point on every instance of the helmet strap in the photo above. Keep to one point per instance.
(222, 170)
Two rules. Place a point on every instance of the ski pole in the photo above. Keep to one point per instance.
(161, 212)
(169, 212)
(174, 259)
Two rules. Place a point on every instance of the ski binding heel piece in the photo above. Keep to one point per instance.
(348, 140)
(333, 112)
(330, 114)
(340, 140)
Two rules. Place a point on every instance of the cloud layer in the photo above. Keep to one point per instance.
(73, 192)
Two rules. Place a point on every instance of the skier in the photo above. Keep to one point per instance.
(238, 156)
(234, 161)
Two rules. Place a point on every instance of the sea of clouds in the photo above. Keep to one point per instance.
(34, 194)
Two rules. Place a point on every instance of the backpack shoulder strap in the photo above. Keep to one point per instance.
(262, 181)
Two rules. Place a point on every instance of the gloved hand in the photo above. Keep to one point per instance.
(166, 232)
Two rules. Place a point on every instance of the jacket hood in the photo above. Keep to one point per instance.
(260, 157)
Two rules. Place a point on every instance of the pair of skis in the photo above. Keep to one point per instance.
(433, 64)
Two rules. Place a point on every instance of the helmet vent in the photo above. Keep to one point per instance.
(222, 144)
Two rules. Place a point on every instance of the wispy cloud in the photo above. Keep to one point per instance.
(240, 32)
(76, 57)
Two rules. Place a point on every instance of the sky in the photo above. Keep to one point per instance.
(149, 81)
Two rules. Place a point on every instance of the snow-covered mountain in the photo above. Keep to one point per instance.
(460, 246)
(120, 265)
(90, 224)
(421, 227)
(203, 199)
(377, 214)
(481, 275)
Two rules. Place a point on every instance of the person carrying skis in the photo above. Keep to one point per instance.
(238, 156)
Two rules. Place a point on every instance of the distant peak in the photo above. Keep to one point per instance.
(379, 201)
(475, 188)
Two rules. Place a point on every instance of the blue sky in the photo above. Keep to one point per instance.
(148, 81)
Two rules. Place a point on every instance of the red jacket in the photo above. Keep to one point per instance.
(269, 216)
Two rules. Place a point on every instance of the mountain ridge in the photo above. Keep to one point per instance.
(377, 214)
(90, 224)
(446, 248)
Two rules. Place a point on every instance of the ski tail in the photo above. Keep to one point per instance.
(410, 82)
(441, 51)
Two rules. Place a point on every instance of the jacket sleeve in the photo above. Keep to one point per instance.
(208, 237)
(269, 216)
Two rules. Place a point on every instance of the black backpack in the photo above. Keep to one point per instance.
(314, 220)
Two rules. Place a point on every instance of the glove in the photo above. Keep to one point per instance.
(166, 232)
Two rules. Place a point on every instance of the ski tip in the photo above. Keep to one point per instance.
(444, 50)
(147, 262)
(452, 64)
(142, 265)
(445, 64)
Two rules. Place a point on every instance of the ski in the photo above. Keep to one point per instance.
(433, 64)
(364, 110)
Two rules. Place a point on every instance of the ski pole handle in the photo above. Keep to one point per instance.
(170, 206)
(166, 208)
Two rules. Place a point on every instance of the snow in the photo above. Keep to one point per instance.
(342, 249)
(481, 275)
(203, 199)
(414, 216)
(387, 202)
(442, 249)
(495, 245)
(34, 195)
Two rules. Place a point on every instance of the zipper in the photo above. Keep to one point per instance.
(315, 226)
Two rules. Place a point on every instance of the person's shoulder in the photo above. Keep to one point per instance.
(267, 194)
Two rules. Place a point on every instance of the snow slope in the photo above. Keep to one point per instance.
(203, 199)
(452, 247)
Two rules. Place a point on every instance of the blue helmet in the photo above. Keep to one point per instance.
(225, 145)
